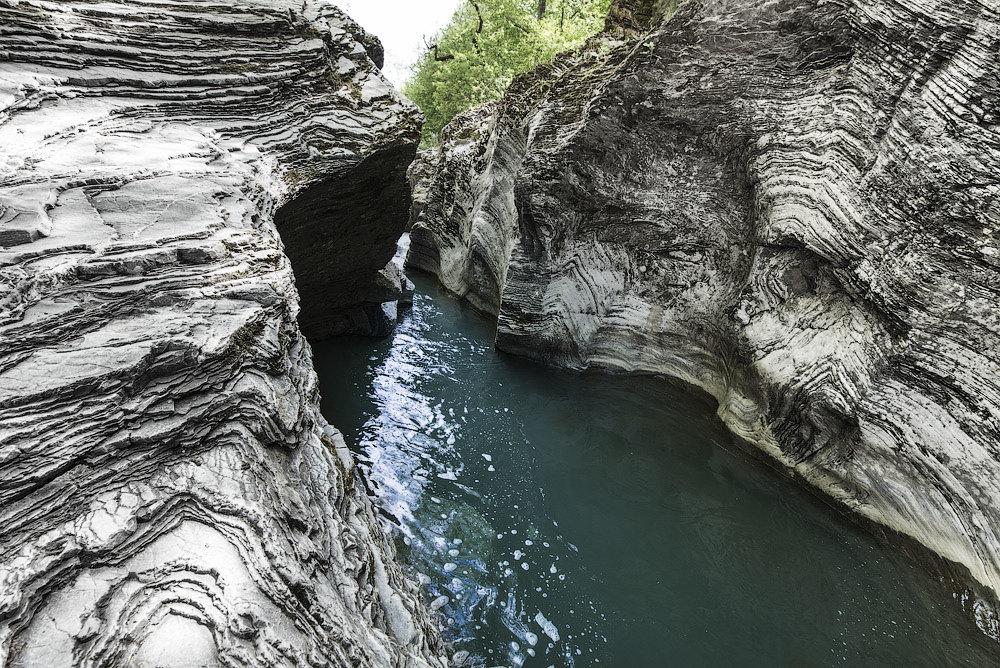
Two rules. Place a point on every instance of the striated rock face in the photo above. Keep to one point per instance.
(421, 174)
(169, 493)
(793, 205)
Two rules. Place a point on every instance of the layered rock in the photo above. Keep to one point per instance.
(421, 174)
(793, 205)
(169, 492)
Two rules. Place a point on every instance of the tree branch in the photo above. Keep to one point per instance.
(518, 26)
(480, 14)
(437, 56)
(479, 30)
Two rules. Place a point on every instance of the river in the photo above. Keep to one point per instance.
(560, 519)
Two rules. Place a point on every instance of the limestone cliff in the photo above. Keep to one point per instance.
(169, 492)
(421, 175)
(793, 205)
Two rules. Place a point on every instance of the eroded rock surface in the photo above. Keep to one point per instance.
(793, 205)
(421, 177)
(169, 493)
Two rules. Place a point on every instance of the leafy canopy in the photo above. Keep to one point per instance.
(473, 59)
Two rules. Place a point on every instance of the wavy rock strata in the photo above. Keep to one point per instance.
(421, 176)
(794, 205)
(169, 493)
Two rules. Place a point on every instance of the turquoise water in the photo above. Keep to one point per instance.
(557, 519)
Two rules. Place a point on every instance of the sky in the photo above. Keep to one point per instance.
(401, 25)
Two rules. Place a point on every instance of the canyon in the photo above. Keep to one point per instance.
(793, 206)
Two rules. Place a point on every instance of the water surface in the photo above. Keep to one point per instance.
(558, 519)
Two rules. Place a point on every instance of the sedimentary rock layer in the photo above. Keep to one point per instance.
(421, 175)
(169, 492)
(794, 205)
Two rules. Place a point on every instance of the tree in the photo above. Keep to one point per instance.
(473, 59)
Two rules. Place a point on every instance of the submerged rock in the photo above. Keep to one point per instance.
(794, 206)
(169, 492)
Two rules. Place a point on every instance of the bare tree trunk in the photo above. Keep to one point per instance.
(541, 9)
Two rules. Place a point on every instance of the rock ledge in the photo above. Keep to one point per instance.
(169, 492)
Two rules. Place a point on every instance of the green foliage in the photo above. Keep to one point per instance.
(474, 63)
(663, 9)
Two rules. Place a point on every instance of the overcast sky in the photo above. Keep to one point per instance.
(400, 24)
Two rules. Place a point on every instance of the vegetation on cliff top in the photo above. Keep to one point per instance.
(473, 59)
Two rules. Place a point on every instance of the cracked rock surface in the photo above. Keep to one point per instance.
(794, 205)
(169, 493)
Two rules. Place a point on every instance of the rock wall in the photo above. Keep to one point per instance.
(420, 176)
(793, 205)
(169, 493)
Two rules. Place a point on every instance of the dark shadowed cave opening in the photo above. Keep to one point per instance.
(339, 234)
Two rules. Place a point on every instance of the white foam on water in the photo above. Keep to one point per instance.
(412, 443)
(548, 627)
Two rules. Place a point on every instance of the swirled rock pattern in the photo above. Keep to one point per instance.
(793, 205)
(421, 175)
(169, 493)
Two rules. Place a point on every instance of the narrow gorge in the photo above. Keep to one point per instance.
(790, 205)
(698, 362)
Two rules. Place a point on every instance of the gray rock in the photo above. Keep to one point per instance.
(794, 206)
(170, 494)
(421, 175)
